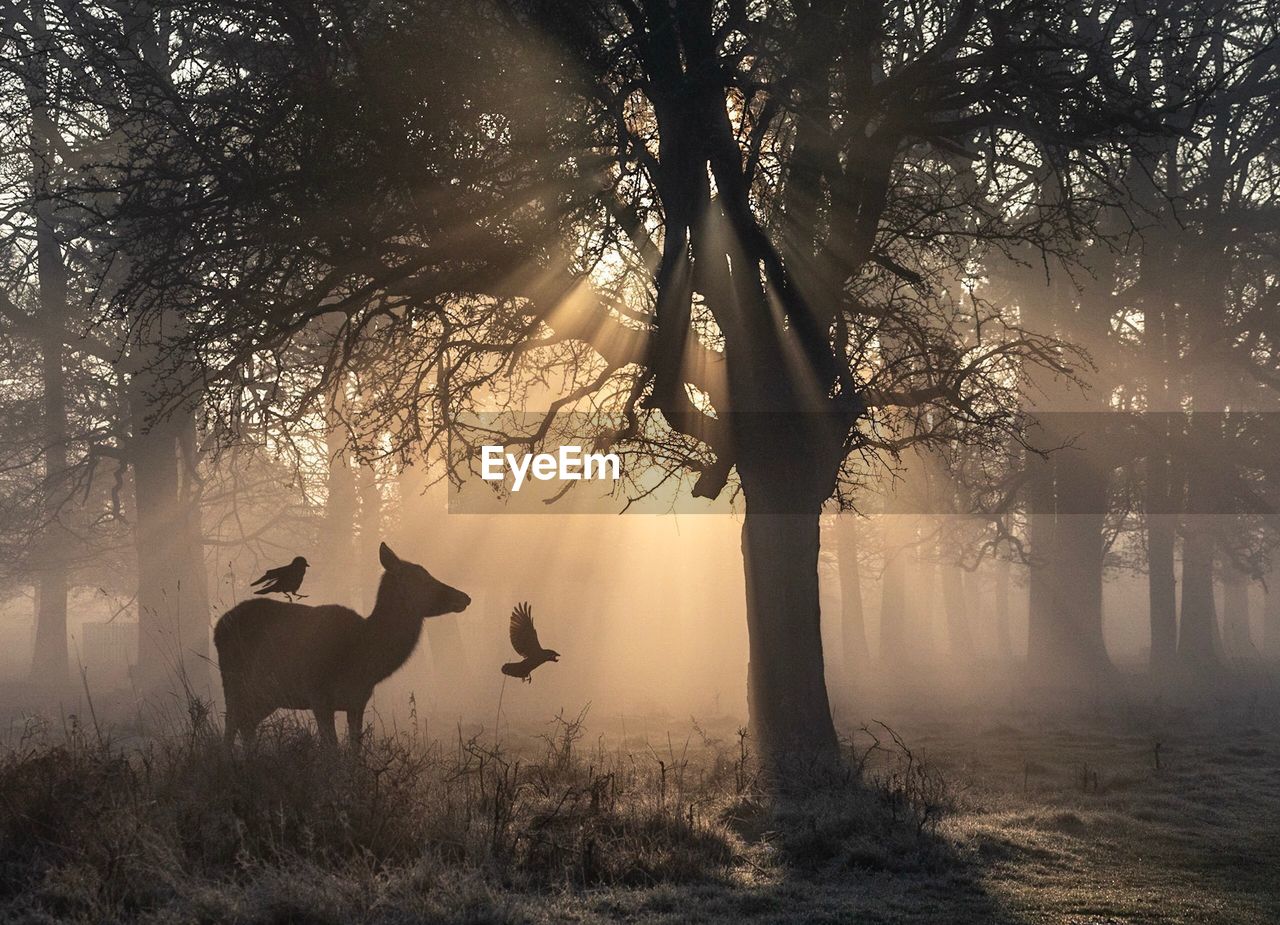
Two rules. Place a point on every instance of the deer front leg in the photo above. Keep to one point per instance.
(233, 718)
(324, 725)
(355, 727)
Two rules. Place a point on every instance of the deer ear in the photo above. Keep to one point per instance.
(388, 558)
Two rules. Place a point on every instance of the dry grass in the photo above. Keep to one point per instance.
(1011, 817)
(179, 828)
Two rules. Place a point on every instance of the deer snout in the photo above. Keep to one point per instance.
(462, 602)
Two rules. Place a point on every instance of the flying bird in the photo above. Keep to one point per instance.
(286, 579)
(524, 639)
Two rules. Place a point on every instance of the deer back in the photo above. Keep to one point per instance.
(284, 654)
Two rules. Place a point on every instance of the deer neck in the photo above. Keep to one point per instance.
(391, 632)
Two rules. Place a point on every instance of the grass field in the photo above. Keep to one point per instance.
(1142, 814)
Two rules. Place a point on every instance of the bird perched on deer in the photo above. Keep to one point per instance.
(524, 639)
(286, 579)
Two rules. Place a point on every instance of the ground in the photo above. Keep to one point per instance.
(1126, 811)
(1056, 819)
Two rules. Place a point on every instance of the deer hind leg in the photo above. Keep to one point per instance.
(355, 726)
(325, 727)
(235, 716)
(247, 727)
(243, 721)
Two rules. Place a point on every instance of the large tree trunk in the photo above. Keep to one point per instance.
(787, 465)
(853, 634)
(786, 686)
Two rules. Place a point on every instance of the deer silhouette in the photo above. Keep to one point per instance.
(275, 655)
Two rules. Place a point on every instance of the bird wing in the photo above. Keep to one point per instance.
(271, 574)
(524, 638)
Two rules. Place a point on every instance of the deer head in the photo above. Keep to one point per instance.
(416, 591)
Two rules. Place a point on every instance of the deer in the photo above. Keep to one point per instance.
(275, 655)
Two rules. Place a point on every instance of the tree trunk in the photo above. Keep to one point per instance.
(334, 571)
(893, 590)
(786, 686)
(1041, 645)
(49, 659)
(922, 609)
(1235, 612)
(973, 604)
(1082, 503)
(853, 632)
(173, 594)
(1199, 648)
(1199, 640)
(955, 606)
(1004, 636)
(370, 533)
(1271, 616)
(1162, 590)
(1161, 516)
(1065, 643)
(1204, 274)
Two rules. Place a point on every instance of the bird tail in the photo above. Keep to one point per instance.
(263, 580)
(513, 669)
(263, 591)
